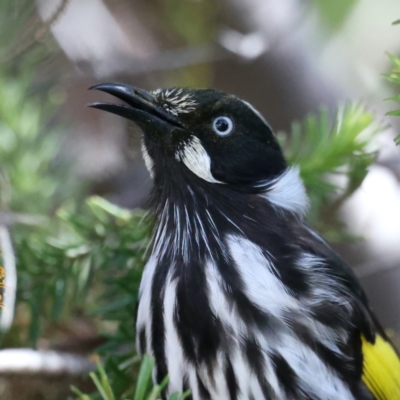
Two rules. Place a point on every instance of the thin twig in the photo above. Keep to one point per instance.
(39, 33)
(192, 55)
(61, 8)
(179, 58)
(44, 362)
(10, 280)
(11, 218)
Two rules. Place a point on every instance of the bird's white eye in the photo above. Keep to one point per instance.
(222, 126)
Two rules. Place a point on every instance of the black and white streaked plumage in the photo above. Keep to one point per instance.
(240, 299)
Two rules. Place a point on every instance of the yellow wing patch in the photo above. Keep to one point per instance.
(381, 369)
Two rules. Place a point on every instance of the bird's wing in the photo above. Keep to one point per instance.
(381, 362)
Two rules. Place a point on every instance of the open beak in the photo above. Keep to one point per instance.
(140, 107)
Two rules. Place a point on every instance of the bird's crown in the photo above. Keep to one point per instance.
(175, 100)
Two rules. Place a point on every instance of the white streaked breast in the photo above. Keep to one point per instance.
(262, 287)
(217, 387)
(235, 326)
(144, 311)
(315, 377)
(176, 364)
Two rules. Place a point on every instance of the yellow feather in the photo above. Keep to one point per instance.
(381, 369)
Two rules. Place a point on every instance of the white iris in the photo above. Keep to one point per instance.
(222, 126)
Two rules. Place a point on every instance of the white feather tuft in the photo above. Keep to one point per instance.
(287, 191)
(175, 101)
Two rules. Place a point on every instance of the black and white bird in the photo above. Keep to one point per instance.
(240, 298)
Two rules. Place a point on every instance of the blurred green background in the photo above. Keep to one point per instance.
(73, 184)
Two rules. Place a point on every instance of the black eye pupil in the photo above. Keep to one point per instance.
(221, 125)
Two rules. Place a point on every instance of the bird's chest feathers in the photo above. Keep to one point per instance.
(216, 268)
(215, 253)
(223, 291)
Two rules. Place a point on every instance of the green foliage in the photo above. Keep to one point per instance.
(145, 390)
(333, 157)
(27, 137)
(98, 245)
(194, 24)
(25, 40)
(12, 16)
(30, 191)
(334, 13)
(192, 19)
(394, 76)
(30, 133)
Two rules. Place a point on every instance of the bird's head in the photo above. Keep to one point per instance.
(216, 136)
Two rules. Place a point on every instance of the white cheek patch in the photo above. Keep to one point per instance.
(148, 160)
(195, 157)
